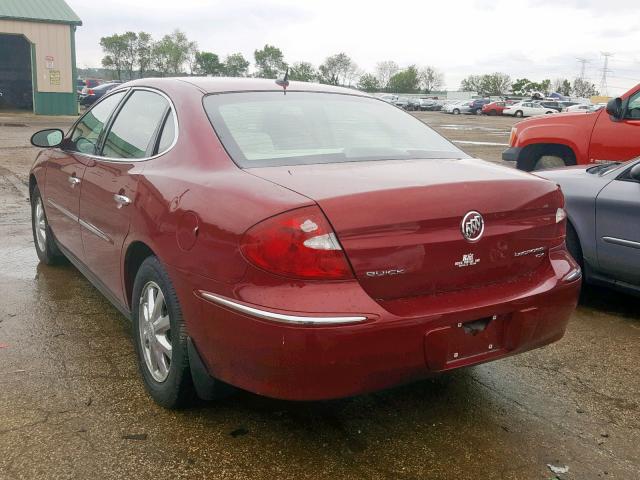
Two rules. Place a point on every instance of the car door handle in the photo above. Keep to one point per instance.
(73, 181)
(121, 200)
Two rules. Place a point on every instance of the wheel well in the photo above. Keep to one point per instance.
(137, 253)
(32, 184)
(531, 153)
(571, 231)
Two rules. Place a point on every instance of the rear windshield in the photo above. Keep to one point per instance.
(269, 128)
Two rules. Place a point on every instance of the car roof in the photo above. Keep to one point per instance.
(234, 84)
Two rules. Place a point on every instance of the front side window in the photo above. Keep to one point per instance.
(86, 133)
(132, 132)
(633, 109)
(269, 128)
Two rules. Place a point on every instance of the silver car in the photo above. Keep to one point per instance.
(603, 228)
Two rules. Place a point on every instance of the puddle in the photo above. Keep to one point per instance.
(469, 128)
(490, 144)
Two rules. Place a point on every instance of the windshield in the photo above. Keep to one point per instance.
(269, 128)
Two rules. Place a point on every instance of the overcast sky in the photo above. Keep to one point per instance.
(536, 39)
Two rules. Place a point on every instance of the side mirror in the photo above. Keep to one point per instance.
(614, 108)
(51, 137)
(634, 173)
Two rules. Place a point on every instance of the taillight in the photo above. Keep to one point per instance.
(298, 244)
(90, 92)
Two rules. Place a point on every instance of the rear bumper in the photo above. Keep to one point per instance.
(511, 154)
(296, 361)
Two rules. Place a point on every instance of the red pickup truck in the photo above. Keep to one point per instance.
(549, 141)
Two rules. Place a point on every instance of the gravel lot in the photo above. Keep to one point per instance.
(72, 405)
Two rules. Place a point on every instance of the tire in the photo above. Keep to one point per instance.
(492, 113)
(161, 343)
(519, 114)
(46, 247)
(456, 111)
(546, 162)
(573, 245)
(479, 112)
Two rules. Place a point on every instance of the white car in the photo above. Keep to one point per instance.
(585, 108)
(527, 109)
(461, 106)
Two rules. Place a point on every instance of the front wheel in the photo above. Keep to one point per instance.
(456, 111)
(546, 162)
(160, 337)
(519, 114)
(46, 247)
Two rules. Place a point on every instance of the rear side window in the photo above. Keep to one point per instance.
(132, 133)
(86, 134)
(168, 134)
(269, 128)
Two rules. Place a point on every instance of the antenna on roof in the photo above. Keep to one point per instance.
(284, 82)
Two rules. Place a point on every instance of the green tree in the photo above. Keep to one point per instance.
(338, 69)
(143, 52)
(369, 83)
(269, 62)
(303, 72)
(384, 71)
(235, 65)
(130, 40)
(431, 79)
(473, 83)
(115, 49)
(565, 88)
(405, 81)
(171, 53)
(495, 84)
(584, 89)
(208, 63)
(521, 86)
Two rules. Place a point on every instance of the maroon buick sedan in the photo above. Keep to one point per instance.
(307, 243)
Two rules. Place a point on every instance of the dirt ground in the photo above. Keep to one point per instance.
(72, 405)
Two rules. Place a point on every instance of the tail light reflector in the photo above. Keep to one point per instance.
(298, 244)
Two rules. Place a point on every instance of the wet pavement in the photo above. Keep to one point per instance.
(72, 404)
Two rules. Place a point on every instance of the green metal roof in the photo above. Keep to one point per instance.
(48, 11)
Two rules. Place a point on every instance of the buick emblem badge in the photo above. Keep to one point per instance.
(472, 226)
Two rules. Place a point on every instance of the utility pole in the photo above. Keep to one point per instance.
(583, 62)
(605, 71)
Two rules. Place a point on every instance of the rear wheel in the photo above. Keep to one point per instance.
(46, 247)
(479, 112)
(573, 245)
(160, 337)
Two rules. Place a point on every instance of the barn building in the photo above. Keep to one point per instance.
(38, 57)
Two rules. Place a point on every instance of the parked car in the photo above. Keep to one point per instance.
(578, 108)
(413, 104)
(427, 104)
(90, 83)
(494, 108)
(402, 102)
(461, 106)
(91, 95)
(603, 208)
(608, 134)
(527, 109)
(552, 104)
(476, 106)
(388, 98)
(567, 103)
(80, 84)
(222, 217)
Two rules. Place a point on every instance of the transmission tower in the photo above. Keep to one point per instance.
(583, 64)
(605, 70)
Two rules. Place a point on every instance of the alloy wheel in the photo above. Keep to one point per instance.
(40, 225)
(154, 327)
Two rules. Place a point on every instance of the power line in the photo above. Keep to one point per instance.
(583, 63)
(605, 70)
